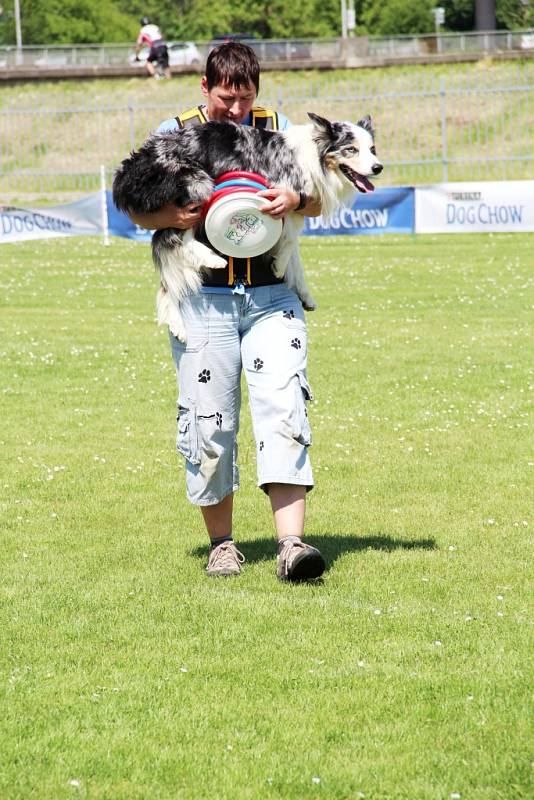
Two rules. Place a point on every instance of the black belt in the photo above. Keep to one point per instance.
(248, 271)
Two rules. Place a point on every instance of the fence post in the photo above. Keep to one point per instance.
(132, 124)
(104, 206)
(443, 108)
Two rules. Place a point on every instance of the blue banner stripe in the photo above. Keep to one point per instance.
(382, 211)
(121, 225)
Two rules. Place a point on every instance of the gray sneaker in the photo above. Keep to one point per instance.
(298, 561)
(225, 559)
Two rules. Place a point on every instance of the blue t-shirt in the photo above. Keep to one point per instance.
(171, 124)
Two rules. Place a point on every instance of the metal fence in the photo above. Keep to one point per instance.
(470, 125)
(339, 52)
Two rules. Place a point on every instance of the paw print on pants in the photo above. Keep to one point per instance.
(204, 376)
(218, 419)
(258, 364)
(262, 445)
(289, 314)
(296, 343)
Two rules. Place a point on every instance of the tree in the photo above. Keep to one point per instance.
(71, 22)
(201, 20)
(100, 21)
(397, 17)
(514, 14)
(510, 14)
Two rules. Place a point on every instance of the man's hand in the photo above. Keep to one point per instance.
(282, 201)
(186, 216)
(170, 216)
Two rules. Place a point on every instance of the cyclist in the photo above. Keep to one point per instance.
(158, 56)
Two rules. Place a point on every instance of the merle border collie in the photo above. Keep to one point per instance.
(326, 160)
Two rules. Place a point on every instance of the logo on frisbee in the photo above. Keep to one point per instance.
(240, 226)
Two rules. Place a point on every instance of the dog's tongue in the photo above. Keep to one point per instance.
(364, 185)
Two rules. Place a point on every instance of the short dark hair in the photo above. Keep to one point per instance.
(233, 64)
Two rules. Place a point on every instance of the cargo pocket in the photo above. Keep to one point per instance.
(302, 431)
(187, 436)
(196, 343)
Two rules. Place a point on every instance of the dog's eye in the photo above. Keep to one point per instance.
(373, 150)
(348, 152)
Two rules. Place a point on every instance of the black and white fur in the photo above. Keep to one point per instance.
(325, 160)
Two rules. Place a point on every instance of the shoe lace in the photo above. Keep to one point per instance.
(225, 555)
(289, 552)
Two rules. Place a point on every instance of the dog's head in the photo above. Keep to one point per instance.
(348, 148)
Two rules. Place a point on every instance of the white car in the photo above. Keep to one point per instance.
(183, 53)
(180, 53)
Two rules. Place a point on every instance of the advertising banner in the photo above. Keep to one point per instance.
(484, 206)
(382, 211)
(81, 218)
(121, 225)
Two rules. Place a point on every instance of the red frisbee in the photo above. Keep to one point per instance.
(252, 176)
(222, 193)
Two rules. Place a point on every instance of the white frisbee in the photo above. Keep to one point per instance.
(236, 227)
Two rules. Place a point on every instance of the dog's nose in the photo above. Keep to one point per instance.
(377, 169)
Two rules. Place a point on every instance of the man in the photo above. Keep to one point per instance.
(243, 320)
(150, 36)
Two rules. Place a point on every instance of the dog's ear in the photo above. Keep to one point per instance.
(320, 122)
(367, 124)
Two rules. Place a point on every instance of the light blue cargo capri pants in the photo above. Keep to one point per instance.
(262, 331)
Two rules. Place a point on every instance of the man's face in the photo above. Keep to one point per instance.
(228, 103)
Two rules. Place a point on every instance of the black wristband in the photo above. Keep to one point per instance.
(302, 202)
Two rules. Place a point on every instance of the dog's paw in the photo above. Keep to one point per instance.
(214, 261)
(308, 303)
(178, 331)
(175, 323)
(279, 269)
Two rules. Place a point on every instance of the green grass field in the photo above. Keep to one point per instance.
(126, 674)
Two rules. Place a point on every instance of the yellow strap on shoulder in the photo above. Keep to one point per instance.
(264, 118)
(195, 116)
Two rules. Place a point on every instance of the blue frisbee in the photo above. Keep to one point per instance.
(240, 182)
